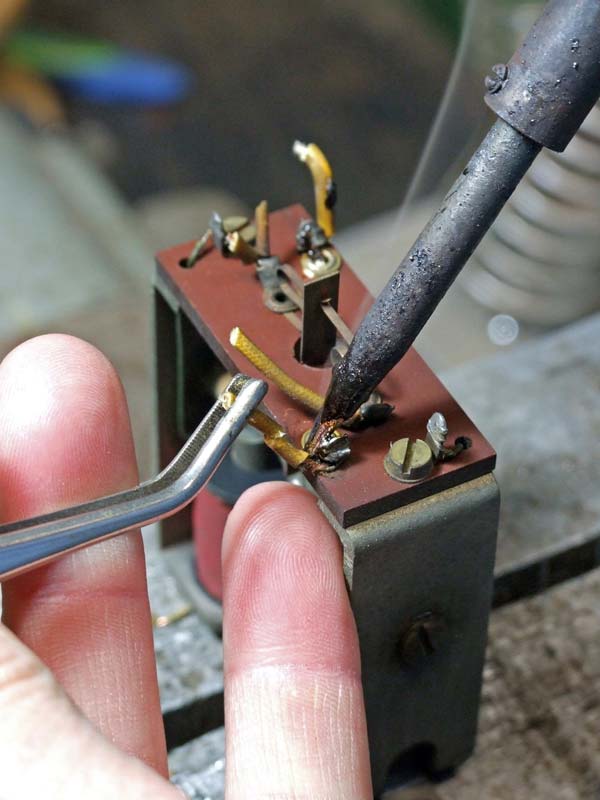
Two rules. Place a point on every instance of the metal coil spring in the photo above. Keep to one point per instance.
(540, 261)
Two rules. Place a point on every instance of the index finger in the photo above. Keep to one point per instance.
(65, 438)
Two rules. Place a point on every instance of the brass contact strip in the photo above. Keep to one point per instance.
(274, 435)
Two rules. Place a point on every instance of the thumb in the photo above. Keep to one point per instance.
(294, 710)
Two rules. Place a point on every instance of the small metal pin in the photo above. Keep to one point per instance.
(163, 620)
(261, 222)
(197, 250)
(216, 232)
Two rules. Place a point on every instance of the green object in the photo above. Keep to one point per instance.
(446, 14)
(56, 54)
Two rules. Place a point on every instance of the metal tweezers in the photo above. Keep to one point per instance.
(28, 543)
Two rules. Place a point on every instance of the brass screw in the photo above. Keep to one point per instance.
(409, 460)
(163, 620)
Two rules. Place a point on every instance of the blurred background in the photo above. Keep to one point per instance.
(363, 80)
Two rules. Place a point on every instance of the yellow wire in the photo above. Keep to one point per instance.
(322, 176)
(262, 362)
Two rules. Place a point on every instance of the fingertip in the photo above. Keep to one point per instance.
(285, 598)
(61, 402)
(57, 360)
(294, 711)
(264, 502)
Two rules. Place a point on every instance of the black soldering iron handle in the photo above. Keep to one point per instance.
(542, 96)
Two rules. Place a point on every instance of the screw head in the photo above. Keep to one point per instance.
(495, 82)
(422, 639)
(492, 85)
(409, 460)
(501, 71)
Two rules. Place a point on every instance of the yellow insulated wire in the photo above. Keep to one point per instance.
(311, 400)
(322, 175)
(274, 435)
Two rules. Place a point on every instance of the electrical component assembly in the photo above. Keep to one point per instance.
(417, 517)
(403, 517)
(351, 409)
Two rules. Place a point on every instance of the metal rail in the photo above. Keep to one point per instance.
(29, 543)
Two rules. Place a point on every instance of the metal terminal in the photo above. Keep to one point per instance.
(333, 449)
(218, 231)
(310, 237)
(318, 256)
(320, 262)
(267, 268)
(317, 299)
(29, 543)
(319, 323)
(241, 225)
(340, 326)
(372, 412)
(437, 432)
(238, 247)
(240, 228)
(278, 295)
(409, 460)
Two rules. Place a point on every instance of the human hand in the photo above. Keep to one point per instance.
(79, 707)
